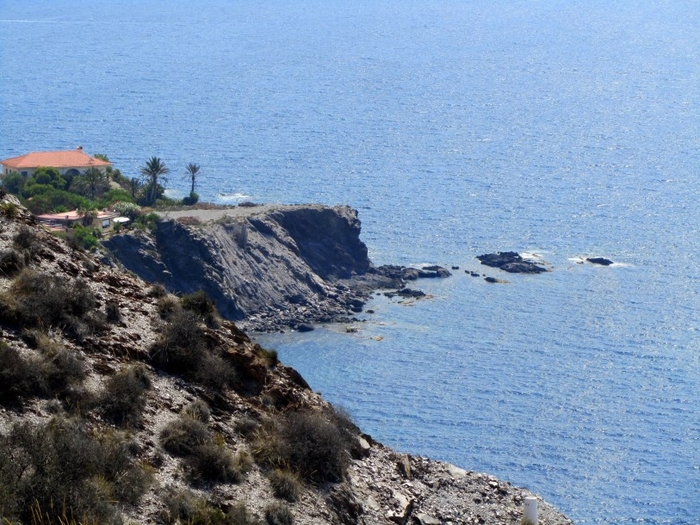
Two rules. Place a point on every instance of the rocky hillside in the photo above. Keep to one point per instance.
(121, 403)
(266, 267)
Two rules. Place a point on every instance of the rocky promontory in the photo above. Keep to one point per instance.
(266, 267)
(122, 403)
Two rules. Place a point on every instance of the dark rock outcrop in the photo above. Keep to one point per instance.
(599, 260)
(511, 262)
(267, 267)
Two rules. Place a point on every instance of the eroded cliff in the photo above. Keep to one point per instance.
(264, 266)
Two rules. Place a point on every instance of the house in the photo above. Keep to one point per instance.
(71, 162)
(62, 221)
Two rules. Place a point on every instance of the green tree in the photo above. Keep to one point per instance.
(92, 183)
(192, 172)
(152, 172)
(49, 176)
(14, 182)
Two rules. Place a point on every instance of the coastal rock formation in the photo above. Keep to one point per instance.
(266, 267)
(127, 404)
(599, 260)
(511, 262)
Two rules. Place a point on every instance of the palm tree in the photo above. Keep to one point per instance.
(154, 170)
(92, 183)
(192, 171)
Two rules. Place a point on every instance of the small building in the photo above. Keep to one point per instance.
(71, 162)
(61, 221)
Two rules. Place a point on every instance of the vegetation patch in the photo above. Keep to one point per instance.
(314, 444)
(206, 458)
(278, 514)
(65, 474)
(285, 485)
(42, 300)
(124, 395)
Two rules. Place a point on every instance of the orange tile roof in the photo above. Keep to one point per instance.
(74, 158)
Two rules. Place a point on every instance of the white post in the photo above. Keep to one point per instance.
(530, 511)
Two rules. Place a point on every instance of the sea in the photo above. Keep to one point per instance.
(559, 129)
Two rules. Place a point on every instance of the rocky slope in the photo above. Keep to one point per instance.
(127, 404)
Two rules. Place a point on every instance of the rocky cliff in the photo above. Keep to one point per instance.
(122, 403)
(264, 266)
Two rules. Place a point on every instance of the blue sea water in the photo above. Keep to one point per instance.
(455, 127)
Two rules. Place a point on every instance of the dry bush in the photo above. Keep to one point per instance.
(181, 346)
(19, 377)
(183, 506)
(113, 312)
(239, 515)
(212, 462)
(278, 514)
(198, 410)
(207, 459)
(183, 435)
(168, 306)
(11, 263)
(285, 485)
(215, 372)
(246, 425)
(25, 240)
(202, 306)
(157, 290)
(123, 398)
(67, 473)
(41, 300)
(314, 444)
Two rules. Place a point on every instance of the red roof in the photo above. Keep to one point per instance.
(74, 158)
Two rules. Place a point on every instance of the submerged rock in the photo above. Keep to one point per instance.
(599, 260)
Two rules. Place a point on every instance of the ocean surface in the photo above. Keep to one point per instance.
(564, 129)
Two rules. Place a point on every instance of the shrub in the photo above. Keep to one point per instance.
(181, 345)
(62, 370)
(123, 398)
(11, 262)
(19, 377)
(191, 199)
(183, 435)
(202, 306)
(25, 239)
(184, 507)
(198, 410)
(9, 209)
(168, 306)
(112, 311)
(246, 425)
(243, 461)
(41, 299)
(215, 372)
(270, 357)
(278, 514)
(66, 473)
(157, 290)
(310, 443)
(213, 462)
(285, 484)
(239, 515)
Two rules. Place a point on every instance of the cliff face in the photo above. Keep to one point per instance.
(292, 264)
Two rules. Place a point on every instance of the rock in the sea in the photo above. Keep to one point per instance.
(599, 260)
(511, 262)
